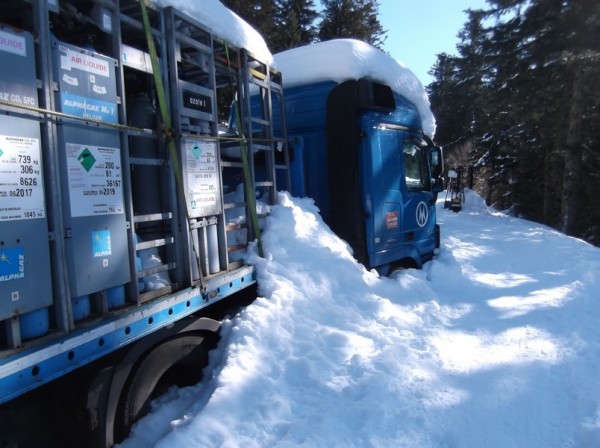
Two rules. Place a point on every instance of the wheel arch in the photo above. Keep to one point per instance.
(107, 384)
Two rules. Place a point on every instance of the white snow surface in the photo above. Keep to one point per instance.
(495, 343)
(224, 23)
(343, 59)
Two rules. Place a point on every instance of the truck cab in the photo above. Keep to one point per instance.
(371, 170)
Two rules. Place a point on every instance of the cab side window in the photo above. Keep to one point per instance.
(416, 171)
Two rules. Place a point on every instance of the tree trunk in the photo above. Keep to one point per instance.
(547, 193)
(572, 156)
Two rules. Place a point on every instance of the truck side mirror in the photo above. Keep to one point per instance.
(436, 156)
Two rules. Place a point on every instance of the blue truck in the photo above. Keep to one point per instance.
(361, 152)
(126, 209)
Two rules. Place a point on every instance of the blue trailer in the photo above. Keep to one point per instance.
(361, 153)
(121, 232)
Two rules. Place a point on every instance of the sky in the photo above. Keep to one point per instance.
(494, 343)
(420, 30)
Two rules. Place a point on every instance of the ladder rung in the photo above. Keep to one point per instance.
(227, 164)
(192, 130)
(155, 270)
(261, 84)
(263, 184)
(236, 248)
(191, 42)
(261, 147)
(147, 161)
(130, 21)
(235, 265)
(230, 205)
(256, 75)
(140, 133)
(153, 217)
(155, 243)
(261, 121)
(233, 227)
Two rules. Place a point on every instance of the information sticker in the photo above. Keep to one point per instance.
(204, 192)
(101, 245)
(391, 220)
(13, 44)
(95, 183)
(21, 187)
(74, 60)
(12, 264)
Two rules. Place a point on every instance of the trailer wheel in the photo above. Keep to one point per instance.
(175, 362)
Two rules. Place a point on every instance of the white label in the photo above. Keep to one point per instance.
(95, 183)
(12, 44)
(18, 94)
(204, 193)
(21, 188)
(70, 80)
(82, 61)
(100, 90)
(135, 58)
(107, 22)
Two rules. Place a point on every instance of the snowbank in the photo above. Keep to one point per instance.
(495, 344)
(343, 59)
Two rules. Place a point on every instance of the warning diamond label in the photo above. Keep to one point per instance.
(87, 160)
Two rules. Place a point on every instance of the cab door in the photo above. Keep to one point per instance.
(381, 166)
(419, 200)
(397, 191)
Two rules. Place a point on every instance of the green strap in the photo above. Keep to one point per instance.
(164, 109)
(167, 123)
(250, 198)
(166, 118)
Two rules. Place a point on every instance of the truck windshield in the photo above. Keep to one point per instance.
(416, 170)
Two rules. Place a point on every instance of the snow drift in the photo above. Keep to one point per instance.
(494, 343)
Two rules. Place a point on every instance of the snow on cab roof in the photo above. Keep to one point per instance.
(343, 59)
(224, 23)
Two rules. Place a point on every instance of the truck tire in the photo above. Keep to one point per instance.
(176, 362)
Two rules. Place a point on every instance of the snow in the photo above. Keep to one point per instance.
(224, 23)
(494, 343)
(343, 59)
